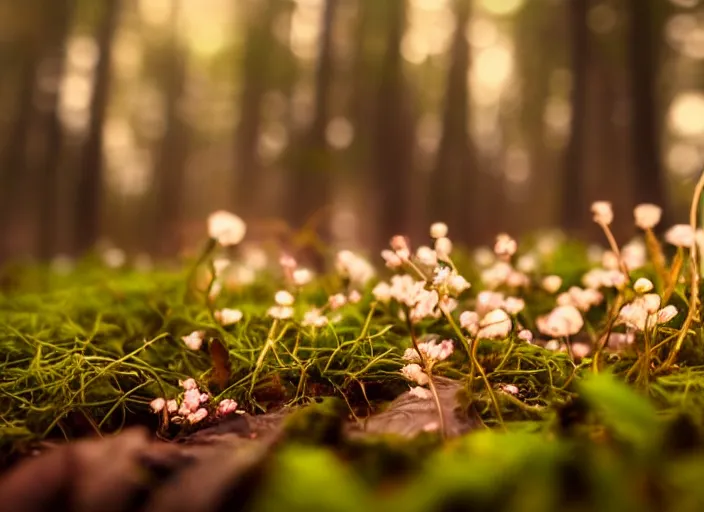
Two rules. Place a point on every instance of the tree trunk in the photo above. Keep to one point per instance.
(170, 166)
(573, 200)
(313, 165)
(649, 182)
(451, 178)
(89, 186)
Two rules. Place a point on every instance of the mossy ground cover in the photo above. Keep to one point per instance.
(86, 351)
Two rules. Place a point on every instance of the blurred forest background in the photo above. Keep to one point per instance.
(131, 120)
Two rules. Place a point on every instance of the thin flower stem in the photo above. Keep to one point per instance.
(475, 364)
(428, 368)
(260, 360)
(615, 248)
(604, 339)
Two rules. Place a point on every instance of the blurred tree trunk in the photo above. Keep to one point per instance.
(255, 73)
(87, 215)
(313, 165)
(14, 153)
(50, 159)
(645, 31)
(170, 165)
(452, 178)
(573, 200)
(393, 131)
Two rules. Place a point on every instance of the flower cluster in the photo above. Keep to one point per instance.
(192, 407)
(431, 352)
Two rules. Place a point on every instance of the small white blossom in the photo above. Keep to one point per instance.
(194, 340)
(582, 299)
(280, 312)
(283, 298)
(443, 247)
(551, 283)
(509, 388)
(680, 235)
(609, 260)
(527, 263)
(188, 384)
(337, 301)
(220, 265)
(484, 256)
(553, 345)
(191, 400)
(488, 301)
(226, 406)
(525, 335)
(561, 321)
(426, 302)
(644, 313)
(354, 297)
(393, 260)
(157, 404)
(415, 373)
(496, 275)
(513, 305)
(314, 318)
(171, 406)
(382, 292)
(495, 325)
(643, 285)
(634, 254)
(357, 269)
(666, 314)
(227, 228)
(438, 230)
(302, 276)
(288, 262)
(456, 284)
(197, 416)
(647, 215)
(505, 246)
(517, 279)
(426, 256)
(227, 316)
(603, 213)
(436, 351)
(469, 320)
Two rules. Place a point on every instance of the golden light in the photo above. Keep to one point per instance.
(155, 12)
(339, 133)
(684, 159)
(482, 33)
(686, 115)
(502, 7)
(82, 53)
(493, 66)
(305, 29)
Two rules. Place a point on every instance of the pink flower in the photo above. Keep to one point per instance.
(191, 400)
(436, 351)
(421, 393)
(505, 246)
(469, 320)
(226, 406)
(194, 340)
(525, 335)
(560, 322)
(391, 258)
(337, 301)
(415, 373)
(171, 406)
(188, 384)
(157, 404)
(495, 325)
(603, 213)
(197, 416)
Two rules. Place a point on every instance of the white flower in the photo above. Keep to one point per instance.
(114, 257)
(552, 283)
(426, 301)
(191, 400)
(314, 318)
(157, 404)
(609, 260)
(283, 298)
(188, 384)
(561, 321)
(483, 256)
(509, 388)
(426, 256)
(469, 320)
(496, 275)
(647, 215)
(171, 406)
(393, 260)
(197, 416)
(382, 292)
(288, 262)
(227, 316)
(666, 314)
(516, 279)
(301, 276)
(227, 228)
(514, 305)
(527, 263)
(634, 254)
(354, 297)
(582, 299)
(651, 302)
(488, 301)
(680, 235)
(419, 392)
(443, 247)
(337, 301)
(226, 406)
(415, 373)
(220, 264)
(194, 340)
(642, 285)
(553, 345)
(358, 270)
(438, 230)
(505, 246)
(436, 351)
(525, 335)
(405, 289)
(456, 284)
(603, 213)
(280, 312)
(495, 325)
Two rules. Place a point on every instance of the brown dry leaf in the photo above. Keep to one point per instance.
(221, 364)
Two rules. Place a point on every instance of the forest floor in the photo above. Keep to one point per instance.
(564, 378)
